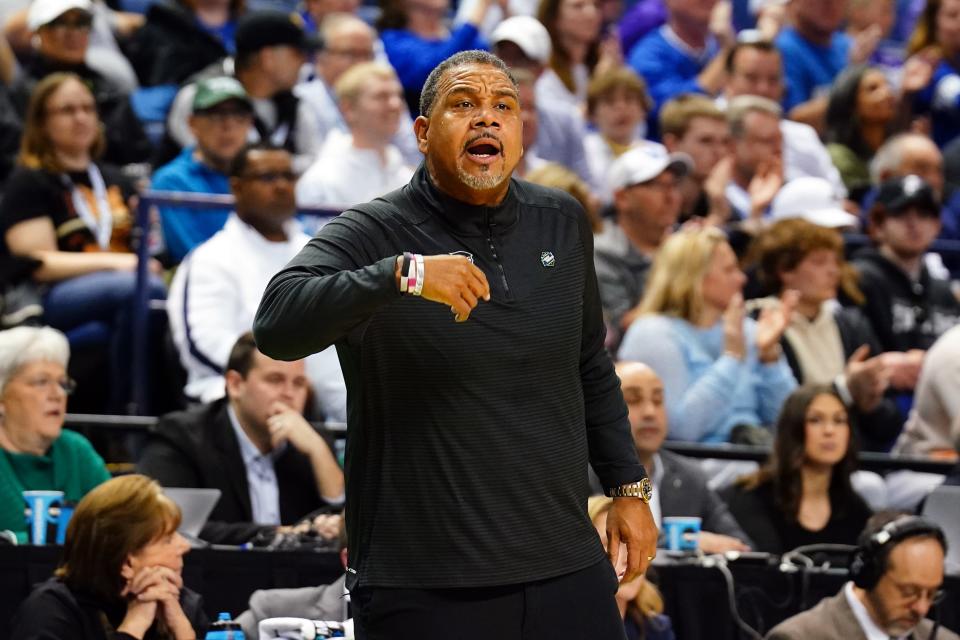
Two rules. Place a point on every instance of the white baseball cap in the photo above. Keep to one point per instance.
(644, 163)
(44, 12)
(814, 200)
(527, 33)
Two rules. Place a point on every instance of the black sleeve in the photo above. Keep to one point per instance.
(43, 616)
(717, 517)
(754, 518)
(613, 455)
(876, 306)
(30, 193)
(167, 463)
(337, 281)
(10, 131)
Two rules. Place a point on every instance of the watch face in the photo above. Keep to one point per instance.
(646, 489)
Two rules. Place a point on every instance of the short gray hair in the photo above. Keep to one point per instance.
(23, 345)
(889, 156)
(740, 107)
(474, 56)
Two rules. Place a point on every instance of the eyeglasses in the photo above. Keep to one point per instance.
(67, 385)
(220, 116)
(270, 177)
(911, 593)
(71, 110)
(77, 24)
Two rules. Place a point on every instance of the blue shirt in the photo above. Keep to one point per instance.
(809, 69)
(183, 227)
(941, 99)
(414, 57)
(668, 65)
(261, 476)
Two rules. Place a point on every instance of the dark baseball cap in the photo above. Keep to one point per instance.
(897, 194)
(260, 29)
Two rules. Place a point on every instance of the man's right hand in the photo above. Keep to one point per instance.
(867, 378)
(453, 281)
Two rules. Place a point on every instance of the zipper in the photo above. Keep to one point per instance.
(496, 257)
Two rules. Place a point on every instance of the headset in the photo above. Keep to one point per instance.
(869, 561)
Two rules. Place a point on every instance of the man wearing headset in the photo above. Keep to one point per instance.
(896, 578)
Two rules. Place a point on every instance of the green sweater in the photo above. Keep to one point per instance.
(71, 465)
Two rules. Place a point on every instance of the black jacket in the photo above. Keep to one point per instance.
(878, 429)
(199, 449)
(904, 315)
(53, 610)
(468, 442)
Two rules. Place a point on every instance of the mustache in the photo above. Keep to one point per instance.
(484, 136)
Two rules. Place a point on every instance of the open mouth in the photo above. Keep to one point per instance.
(484, 151)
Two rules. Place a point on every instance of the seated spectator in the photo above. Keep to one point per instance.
(755, 68)
(530, 118)
(325, 602)
(687, 54)
(347, 41)
(679, 484)
(646, 204)
(724, 374)
(934, 48)
(692, 124)
(121, 572)
(639, 601)
(271, 465)
(315, 12)
(575, 36)
(181, 37)
(63, 35)
(933, 428)
(895, 579)
(61, 206)
(271, 48)
(860, 115)
(416, 39)
(360, 165)
(824, 342)
(803, 494)
(757, 146)
(214, 295)
(221, 121)
(35, 451)
(617, 106)
(907, 307)
(522, 42)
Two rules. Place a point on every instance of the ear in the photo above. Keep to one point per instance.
(420, 127)
(127, 571)
(234, 383)
(343, 557)
(236, 185)
(670, 141)
(192, 121)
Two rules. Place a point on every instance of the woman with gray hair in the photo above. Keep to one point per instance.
(35, 452)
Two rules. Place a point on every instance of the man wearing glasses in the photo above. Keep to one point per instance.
(217, 288)
(896, 578)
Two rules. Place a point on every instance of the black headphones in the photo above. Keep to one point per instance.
(869, 561)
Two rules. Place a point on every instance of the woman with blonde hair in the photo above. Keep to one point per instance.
(639, 601)
(120, 577)
(724, 374)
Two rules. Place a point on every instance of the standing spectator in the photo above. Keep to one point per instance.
(694, 125)
(803, 494)
(755, 68)
(935, 66)
(907, 306)
(522, 42)
(361, 165)
(860, 115)
(687, 54)
(214, 295)
(416, 39)
(221, 121)
(617, 106)
(181, 37)
(63, 37)
(65, 208)
(724, 374)
(757, 173)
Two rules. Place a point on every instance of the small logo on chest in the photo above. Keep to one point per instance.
(547, 259)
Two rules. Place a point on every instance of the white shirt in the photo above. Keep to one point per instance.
(344, 175)
(657, 481)
(599, 158)
(805, 155)
(261, 476)
(551, 90)
(494, 15)
(869, 627)
(214, 297)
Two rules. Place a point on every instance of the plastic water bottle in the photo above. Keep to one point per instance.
(225, 628)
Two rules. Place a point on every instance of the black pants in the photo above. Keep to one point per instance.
(575, 606)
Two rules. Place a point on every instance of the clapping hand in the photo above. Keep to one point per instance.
(771, 324)
(867, 378)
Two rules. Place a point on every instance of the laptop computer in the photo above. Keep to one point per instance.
(195, 507)
(943, 507)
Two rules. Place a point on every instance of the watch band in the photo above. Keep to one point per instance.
(642, 489)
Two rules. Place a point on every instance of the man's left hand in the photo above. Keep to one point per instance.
(630, 522)
(288, 425)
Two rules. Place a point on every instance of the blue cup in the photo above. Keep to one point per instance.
(66, 512)
(42, 512)
(682, 533)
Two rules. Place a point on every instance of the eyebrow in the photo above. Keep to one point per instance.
(510, 93)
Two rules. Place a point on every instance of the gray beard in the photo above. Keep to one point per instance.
(481, 182)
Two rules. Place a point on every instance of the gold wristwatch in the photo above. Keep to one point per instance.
(642, 489)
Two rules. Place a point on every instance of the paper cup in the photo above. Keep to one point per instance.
(42, 511)
(682, 533)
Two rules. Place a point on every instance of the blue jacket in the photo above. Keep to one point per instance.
(668, 70)
(414, 57)
(810, 69)
(941, 99)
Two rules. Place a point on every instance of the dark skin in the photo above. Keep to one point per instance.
(265, 193)
(472, 140)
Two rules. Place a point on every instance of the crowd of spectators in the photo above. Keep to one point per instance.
(766, 181)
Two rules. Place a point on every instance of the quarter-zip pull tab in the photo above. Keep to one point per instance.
(496, 256)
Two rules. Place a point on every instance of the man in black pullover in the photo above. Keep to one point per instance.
(469, 433)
